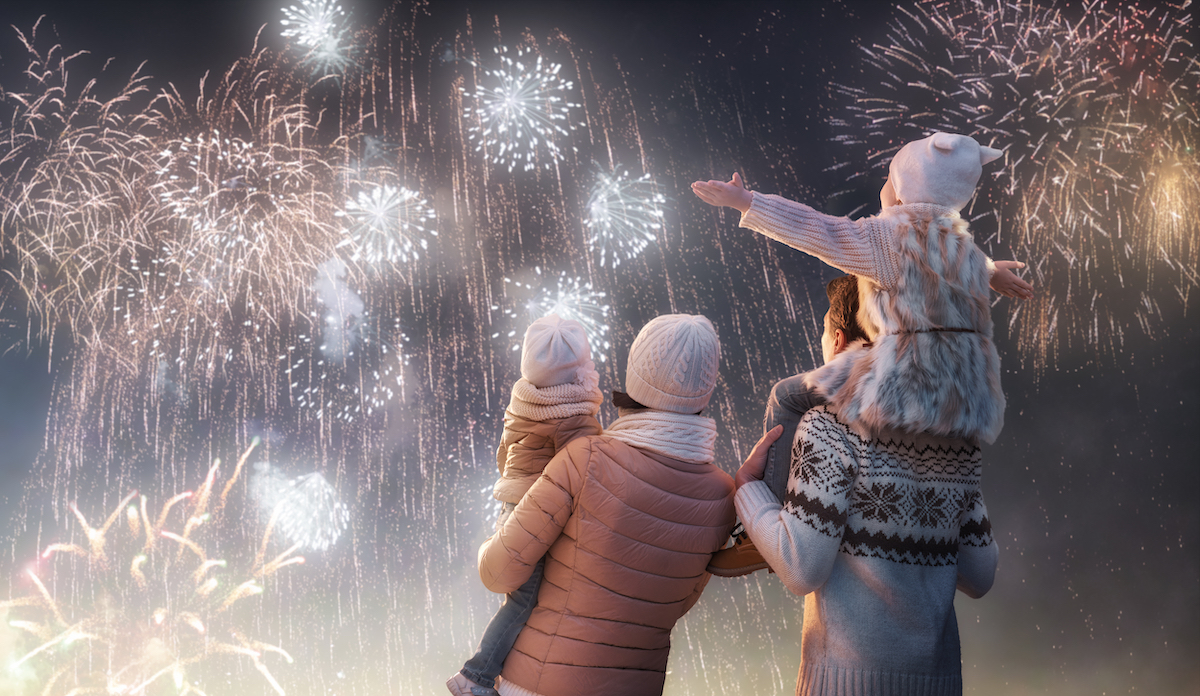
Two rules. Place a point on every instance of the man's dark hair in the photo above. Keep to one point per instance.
(843, 307)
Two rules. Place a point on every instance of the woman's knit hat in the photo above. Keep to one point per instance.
(941, 169)
(673, 363)
(556, 351)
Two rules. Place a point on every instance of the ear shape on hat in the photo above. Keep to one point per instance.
(944, 141)
(989, 154)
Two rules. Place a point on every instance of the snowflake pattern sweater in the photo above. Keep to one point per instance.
(876, 532)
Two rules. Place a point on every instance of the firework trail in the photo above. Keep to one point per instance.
(1097, 117)
(520, 111)
(624, 216)
(305, 510)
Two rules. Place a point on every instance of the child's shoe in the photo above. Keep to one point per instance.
(740, 559)
(459, 685)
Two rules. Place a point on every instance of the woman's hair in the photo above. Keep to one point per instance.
(843, 307)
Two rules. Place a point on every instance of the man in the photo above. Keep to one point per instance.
(627, 521)
(876, 529)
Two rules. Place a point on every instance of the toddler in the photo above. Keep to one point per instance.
(555, 401)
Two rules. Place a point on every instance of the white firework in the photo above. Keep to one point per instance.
(624, 216)
(320, 31)
(520, 111)
(570, 298)
(313, 22)
(387, 224)
(305, 510)
(368, 378)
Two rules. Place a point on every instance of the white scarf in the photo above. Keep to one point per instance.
(559, 401)
(688, 438)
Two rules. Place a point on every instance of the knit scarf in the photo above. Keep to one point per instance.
(684, 437)
(558, 401)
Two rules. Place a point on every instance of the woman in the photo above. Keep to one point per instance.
(627, 522)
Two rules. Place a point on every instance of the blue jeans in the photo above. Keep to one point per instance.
(501, 632)
(788, 403)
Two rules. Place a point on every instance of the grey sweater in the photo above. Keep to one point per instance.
(876, 533)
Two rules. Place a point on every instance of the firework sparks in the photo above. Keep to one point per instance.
(143, 605)
(319, 29)
(569, 298)
(1085, 110)
(387, 224)
(305, 509)
(624, 216)
(521, 112)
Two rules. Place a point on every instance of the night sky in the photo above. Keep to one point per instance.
(1092, 487)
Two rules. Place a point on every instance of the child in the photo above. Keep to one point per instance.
(555, 401)
(923, 293)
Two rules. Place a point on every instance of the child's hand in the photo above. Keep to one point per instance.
(752, 468)
(1005, 282)
(720, 193)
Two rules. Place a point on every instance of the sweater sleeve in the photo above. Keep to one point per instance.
(507, 558)
(800, 537)
(852, 246)
(978, 554)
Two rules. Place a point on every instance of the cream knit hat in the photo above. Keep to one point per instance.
(556, 351)
(941, 169)
(673, 363)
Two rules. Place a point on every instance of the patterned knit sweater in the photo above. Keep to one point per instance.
(877, 532)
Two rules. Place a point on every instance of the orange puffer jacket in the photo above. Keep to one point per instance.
(627, 535)
(526, 446)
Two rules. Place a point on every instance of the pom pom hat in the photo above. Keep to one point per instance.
(942, 169)
(556, 351)
(673, 363)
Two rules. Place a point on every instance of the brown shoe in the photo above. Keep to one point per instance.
(740, 559)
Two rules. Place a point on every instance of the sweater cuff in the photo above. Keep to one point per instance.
(753, 218)
(753, 497)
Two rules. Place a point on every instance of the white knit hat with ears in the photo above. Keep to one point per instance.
(556, 351)
(673, 363)
(941, 169)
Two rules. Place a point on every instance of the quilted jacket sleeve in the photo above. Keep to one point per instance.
(506, 560)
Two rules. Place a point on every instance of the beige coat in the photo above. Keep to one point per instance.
(526, 446)
(627, 535)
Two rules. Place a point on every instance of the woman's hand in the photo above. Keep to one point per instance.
(1006, 283)
(719, 193)
(752, 468)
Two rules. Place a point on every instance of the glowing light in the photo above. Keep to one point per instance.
(520, 111)
(305, 509)
(319, 29)
(624, 216)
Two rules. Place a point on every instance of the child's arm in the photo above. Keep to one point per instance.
(845, 244)
(1006, 283)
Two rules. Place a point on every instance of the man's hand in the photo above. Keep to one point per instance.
(719, 193)
(1005, 282)
(752, 468)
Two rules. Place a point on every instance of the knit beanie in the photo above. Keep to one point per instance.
(673, 363)
(941, 169)
(554, 352)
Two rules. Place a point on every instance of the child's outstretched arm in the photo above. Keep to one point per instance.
(1006, 283)
(731, 194)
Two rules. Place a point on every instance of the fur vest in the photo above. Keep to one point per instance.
(933, 366)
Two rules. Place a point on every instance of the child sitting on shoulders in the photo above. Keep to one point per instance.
(555, 401)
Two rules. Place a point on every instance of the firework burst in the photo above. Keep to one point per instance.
(520, 112)
(387, 224)
(1088, 109)
(624, 216)
(140, 607)
(320, 30)
(570, 298)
